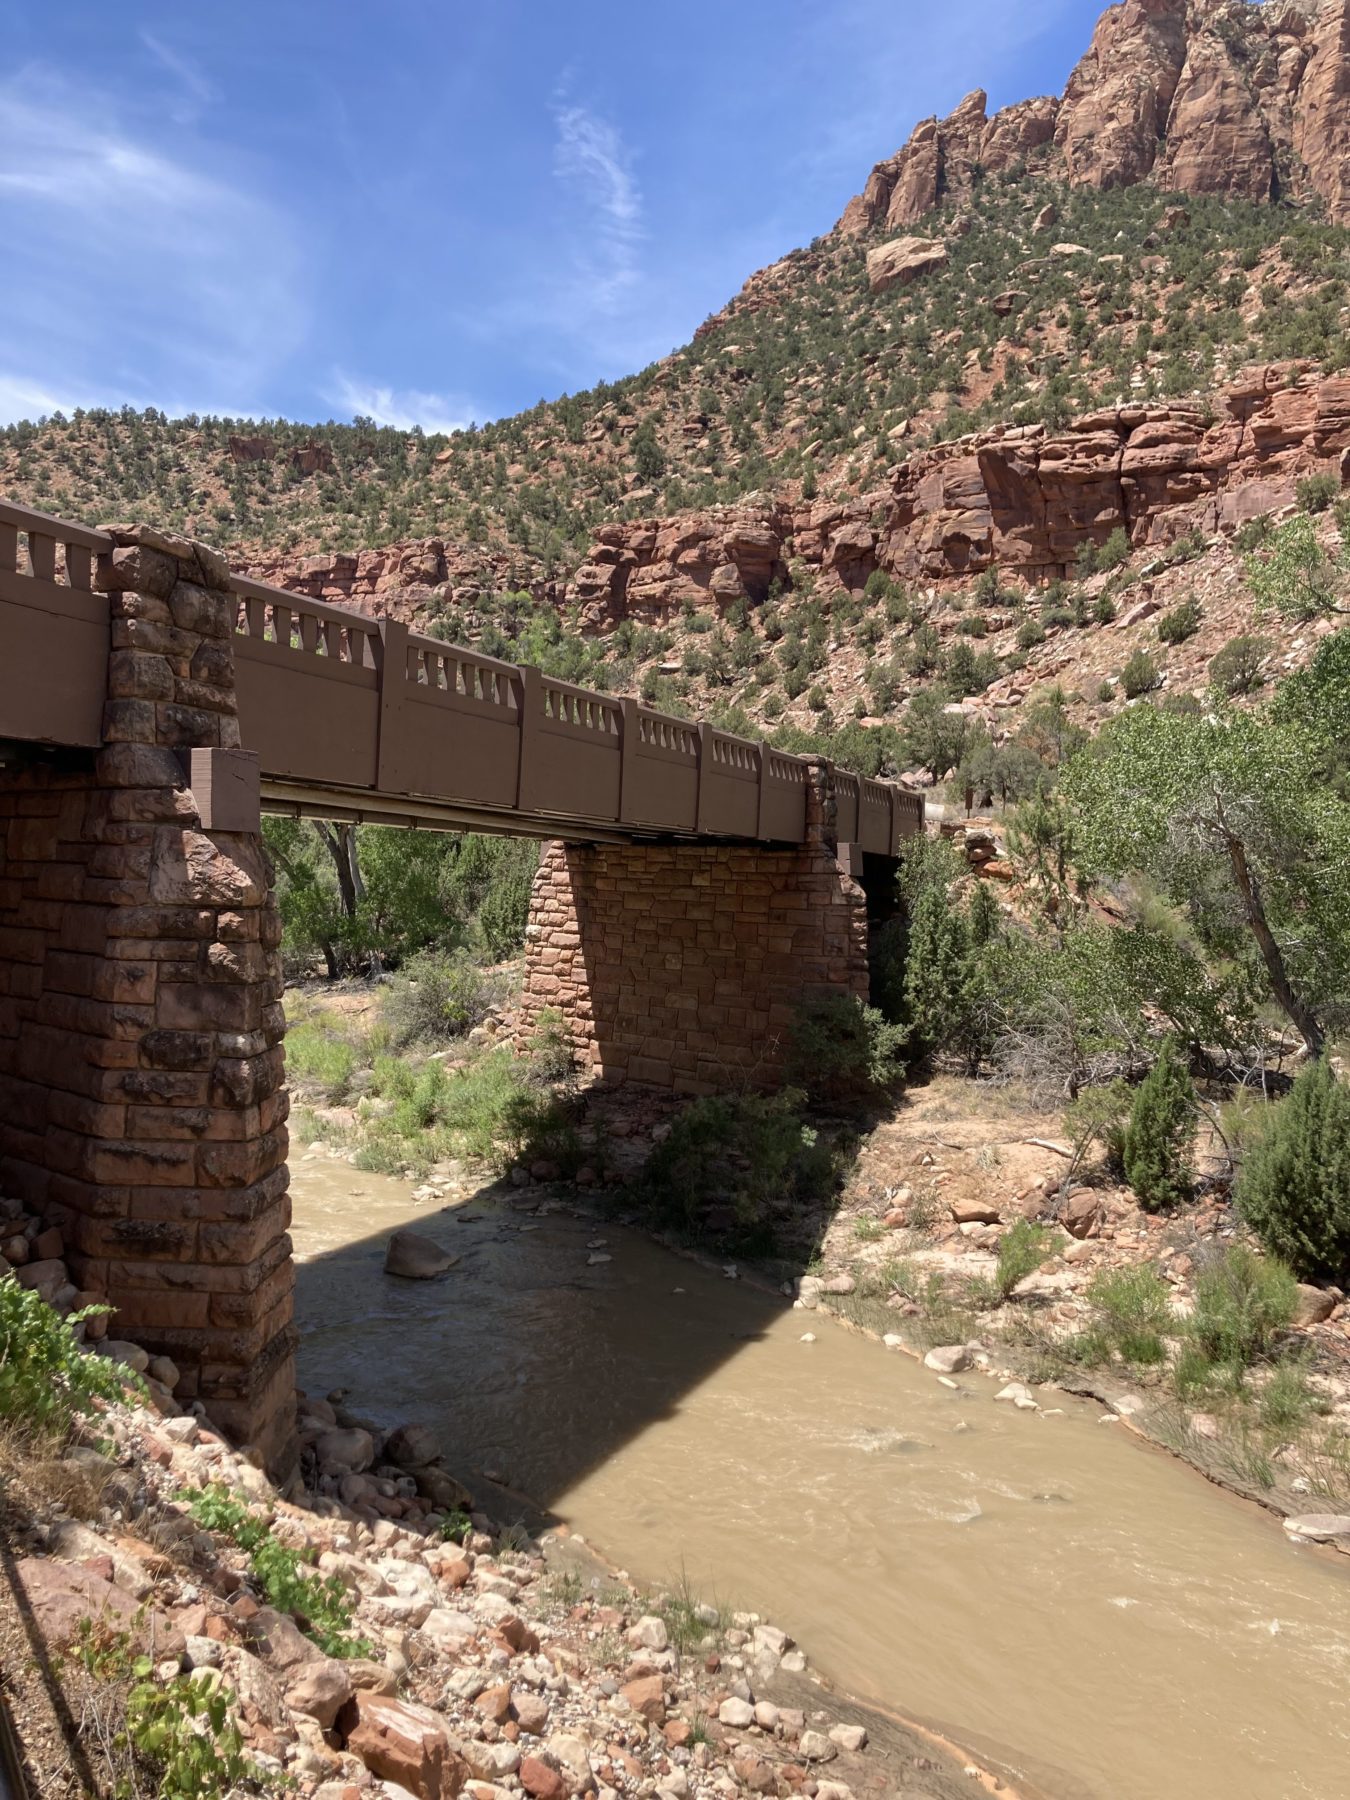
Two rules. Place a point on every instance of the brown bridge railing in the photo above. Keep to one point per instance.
(358, 717)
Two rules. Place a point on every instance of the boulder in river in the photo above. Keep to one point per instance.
(415, 1257)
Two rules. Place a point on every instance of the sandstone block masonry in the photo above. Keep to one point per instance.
(142, 1106)
(680, 966)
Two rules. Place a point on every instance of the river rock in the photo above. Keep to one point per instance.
(975, 1212)
(416, 1258)
(402, 1742)
(1320, 1528)
(1016, 1393)
(320, 1689)
(739, 1714)
(1081, 1214)
(647, 1696)
(350, 1449)
(948, 1359)
(1315, 1304)
(848, 1737)
(649, 1633)
(814, 1746)
(412, 1446)
(540, 1781)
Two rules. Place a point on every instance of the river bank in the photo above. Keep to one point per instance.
(928, 1542)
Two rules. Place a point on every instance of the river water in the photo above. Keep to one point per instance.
(1044, 1589)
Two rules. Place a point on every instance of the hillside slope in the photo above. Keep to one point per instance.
(1119, 309)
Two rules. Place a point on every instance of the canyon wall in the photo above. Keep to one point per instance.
(1203, 96)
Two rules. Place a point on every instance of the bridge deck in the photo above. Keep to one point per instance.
(361, 718)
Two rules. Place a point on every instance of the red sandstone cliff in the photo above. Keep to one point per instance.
(1020, 498)
(1205, 96)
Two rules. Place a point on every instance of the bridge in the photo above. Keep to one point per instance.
(696, 886)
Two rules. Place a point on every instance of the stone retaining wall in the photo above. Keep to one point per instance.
(142, 1105)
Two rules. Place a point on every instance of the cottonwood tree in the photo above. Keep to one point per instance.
(1231, 816)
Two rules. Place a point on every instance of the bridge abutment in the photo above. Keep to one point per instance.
(142, 1099)
(681, 966)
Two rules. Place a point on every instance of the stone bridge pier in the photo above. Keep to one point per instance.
(680, 966)
(142, 1106)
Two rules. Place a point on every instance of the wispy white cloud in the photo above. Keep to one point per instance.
(23, 398)
(403, 408)
(193, 89)
(143, 276)
(591, 158)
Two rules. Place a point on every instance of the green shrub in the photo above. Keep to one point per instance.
(1116, 549)
(434, 998)
(1242, 1303)
(46, 1380)
(1030, 633)
(1103, 609)
(185, 1731)
(319, 1603)
(1253, 533)
(1162, 1120)
(1022, 1249)
(1236, 669)
(1294, 1187)
(1316, 492)
(735, 1168)
(841, 1050)
(1180, 623)
(1131, 1311)
(1140, 675)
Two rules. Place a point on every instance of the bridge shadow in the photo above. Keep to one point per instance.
(559, 1336)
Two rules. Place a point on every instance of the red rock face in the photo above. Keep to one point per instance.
(1322, 109)
(1020, 498)
(1117, 101)
(1206, 96)
(1217, 138)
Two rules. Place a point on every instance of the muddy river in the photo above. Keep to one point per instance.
(1083, 1609)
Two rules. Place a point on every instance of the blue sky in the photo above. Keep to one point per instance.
(433, 213)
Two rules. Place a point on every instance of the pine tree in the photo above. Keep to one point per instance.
(1158, 1134)
(1294, 1190)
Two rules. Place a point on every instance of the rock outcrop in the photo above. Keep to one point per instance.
(1205, 96)
(899, 261)
(1022, 498)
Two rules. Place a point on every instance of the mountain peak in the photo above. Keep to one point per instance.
(1202, 96)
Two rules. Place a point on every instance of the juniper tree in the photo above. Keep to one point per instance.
(1294, 1190)
(1157, 1136)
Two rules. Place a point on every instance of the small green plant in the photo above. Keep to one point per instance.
(1157, 1137)
(319, 1056)
(456, 1526)
(46, 1380)
(868, 1230)
(1242, 1303)
(319, 1603)
(1286, 1400)
(185, 1729)
(1316, 492)
(1022, 1249)
(1139, 676)
(1131, 1310)
(1238, 668)
(1294, 1187)
(1180, 623)
(158, 1741)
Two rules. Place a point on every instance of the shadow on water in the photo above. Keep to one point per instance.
(579, 1355)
